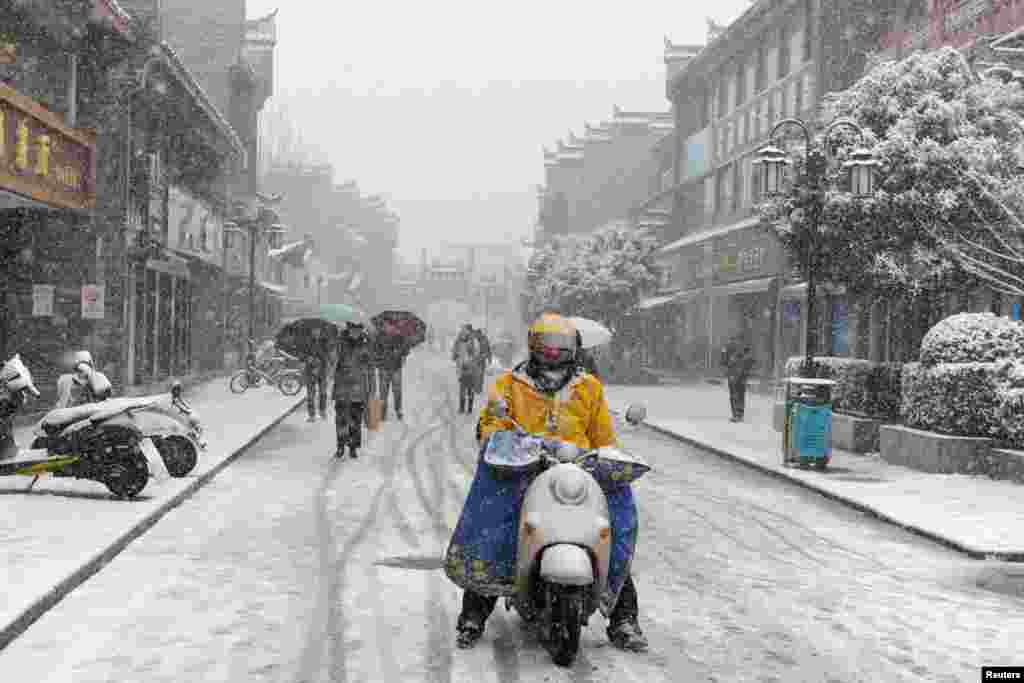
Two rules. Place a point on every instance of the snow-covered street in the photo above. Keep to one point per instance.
(293, 566)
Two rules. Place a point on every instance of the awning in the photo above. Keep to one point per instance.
(274, 288)
(709, 234)
(799, 290)
(678, 298)
(295, 254)
(745, 287)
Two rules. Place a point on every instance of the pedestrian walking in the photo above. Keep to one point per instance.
(738, 360)
(391, 354)
(351, 388)
(315, 369)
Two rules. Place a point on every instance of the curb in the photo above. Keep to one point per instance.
(52, 597)
(973, 553)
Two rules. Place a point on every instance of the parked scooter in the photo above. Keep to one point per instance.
(565, 534)
(97, 441)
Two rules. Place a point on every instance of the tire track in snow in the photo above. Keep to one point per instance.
(330, 611)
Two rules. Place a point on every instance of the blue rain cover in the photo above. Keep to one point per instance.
(482, 554)
(813, 431)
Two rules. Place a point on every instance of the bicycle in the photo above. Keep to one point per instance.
(288, 381)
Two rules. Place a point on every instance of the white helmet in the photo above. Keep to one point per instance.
(16, 377)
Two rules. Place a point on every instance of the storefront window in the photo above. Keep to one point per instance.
(840, 328)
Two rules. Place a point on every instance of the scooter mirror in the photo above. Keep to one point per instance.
(636, 413)
(176, 390)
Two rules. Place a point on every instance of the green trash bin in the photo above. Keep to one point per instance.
(807, 433)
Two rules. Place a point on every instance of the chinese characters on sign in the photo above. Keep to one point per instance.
(41, 158)
(744, 261)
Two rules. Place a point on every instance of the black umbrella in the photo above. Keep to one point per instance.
(297, 336)
(402, 325)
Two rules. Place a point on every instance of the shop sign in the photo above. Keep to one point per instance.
(194, 225)
(93, 301)
(42, 301)
(43, 159)
(750, 255)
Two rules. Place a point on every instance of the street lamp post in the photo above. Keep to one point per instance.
(773, 160)
(255, 227)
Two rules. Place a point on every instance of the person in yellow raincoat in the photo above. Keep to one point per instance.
(550, 394)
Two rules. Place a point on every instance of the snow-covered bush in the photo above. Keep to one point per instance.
(973, 338)
(862, 387)
(966, 399)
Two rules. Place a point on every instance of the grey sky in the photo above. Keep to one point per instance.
(443, 107)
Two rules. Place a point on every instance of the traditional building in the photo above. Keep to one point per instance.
(596, 179)
(61, 185)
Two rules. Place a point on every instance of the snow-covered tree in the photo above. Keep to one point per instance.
(601, 275)
(949, 192)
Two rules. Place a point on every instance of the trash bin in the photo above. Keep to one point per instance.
(807, 433)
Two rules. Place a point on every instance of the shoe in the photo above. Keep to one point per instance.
(468, 634)
(311, 418)
(340, 453)
(398, 414)
(626, 635)
(353, 451)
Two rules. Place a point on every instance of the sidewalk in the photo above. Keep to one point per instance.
(65, 530)
(975, 515)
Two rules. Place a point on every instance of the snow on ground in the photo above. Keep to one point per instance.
(976, 512)
(292, 566)
(49, 533)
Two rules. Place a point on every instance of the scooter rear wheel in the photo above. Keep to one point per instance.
(128, 474)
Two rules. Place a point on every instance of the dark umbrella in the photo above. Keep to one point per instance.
(297, 337)
(401, 324)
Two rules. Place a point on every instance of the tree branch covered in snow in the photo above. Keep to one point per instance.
(949, 196)
(601, 275)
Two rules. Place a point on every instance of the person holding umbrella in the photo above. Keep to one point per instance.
(351, 388)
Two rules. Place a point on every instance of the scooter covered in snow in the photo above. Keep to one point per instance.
(97, 441)
(565, 556)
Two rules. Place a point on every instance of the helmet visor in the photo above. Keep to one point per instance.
(553, 348)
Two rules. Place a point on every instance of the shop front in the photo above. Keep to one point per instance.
(54, 298)
(746, 264)
(163, 319)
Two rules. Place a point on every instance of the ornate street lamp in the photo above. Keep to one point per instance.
(861, 167)
(254, 227)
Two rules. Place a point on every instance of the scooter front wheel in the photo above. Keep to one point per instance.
(239, 382)
(180, 456)
(127, 475)
(567, 623)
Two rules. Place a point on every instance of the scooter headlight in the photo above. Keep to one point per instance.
(570, 487)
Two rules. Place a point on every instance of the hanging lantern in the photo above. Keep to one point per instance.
(862, 165)
(772, 160)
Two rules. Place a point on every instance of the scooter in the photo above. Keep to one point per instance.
(565, 534)
(97, 441)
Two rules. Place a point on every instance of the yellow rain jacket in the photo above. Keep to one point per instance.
(577, 414)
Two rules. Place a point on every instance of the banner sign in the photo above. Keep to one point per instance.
(42, 301)
(93, 301)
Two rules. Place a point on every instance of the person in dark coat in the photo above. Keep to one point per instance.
(315, 368)
(391, 355)
(738, 359)
(486, 355)
(351, 390)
